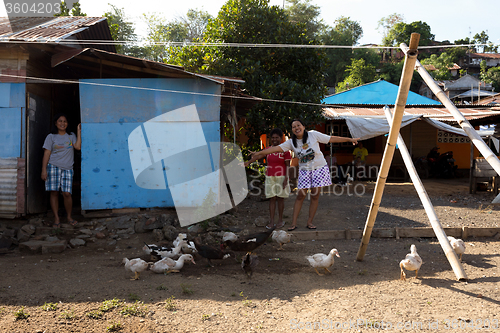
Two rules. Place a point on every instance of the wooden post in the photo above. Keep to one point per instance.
(429, 208)
(464, 123)
(404, 88)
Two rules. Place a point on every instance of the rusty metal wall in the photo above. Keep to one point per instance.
(8, 187)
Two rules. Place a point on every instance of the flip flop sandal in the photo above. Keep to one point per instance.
(73, 223)
(56, 225)
(311, 227)
(292, 228)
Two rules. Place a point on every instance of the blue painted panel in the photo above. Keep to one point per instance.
(139, 100)
(12, 95)
(108, 180)
(10, 132)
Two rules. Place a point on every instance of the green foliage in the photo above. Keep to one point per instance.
(108, 305)
(442, 63)
(138, 309)
(122, 29)
(187, 28)
(21, 314)
(75, 10)
(95, 314)
(302, 11)
(270, 73)
(49, 306)
(345, 32)
(386, 23)
(492, 76)
(114, 326)
(67, 315)
(391, 72)
(186, 289)
(133, 297)
(359, 74)
(161, 287)
(170, 304)
(401, 33)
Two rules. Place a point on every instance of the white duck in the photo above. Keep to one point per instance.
(167, 265)
(189, 247)
(173, 252)
(231, 236)
(320, 260)
(411, 262)
(180, 237)
(281, 237)
(136, 266)
(458, 246)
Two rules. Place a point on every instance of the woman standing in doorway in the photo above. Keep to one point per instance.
(57, 166)
(313, 169)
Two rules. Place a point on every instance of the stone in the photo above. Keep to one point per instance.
(112, 242)
(122, 222)
(35, 246)
(158, 235)
(139, 225)
(29, 229)
(153, 223)
(86, 231)
(54, 247)
(129, 231)
(74, 242)
(22, 236)
(83, 236)
(100, 235)
(11, 233)
(51, 239)
(170, 233)
(195, 229)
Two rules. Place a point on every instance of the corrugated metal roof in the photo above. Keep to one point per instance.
(485, 55)
(56, 30)
(376, 93)
(441, 114)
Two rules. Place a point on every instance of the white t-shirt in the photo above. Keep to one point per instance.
(309, 154)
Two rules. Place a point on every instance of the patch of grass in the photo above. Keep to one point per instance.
(133, 297)
(170, 304)
(111, 304)
(186, 289)
(363, 272)
(114, 327)
(138, 309)
(233, 294)
(49, 306)
(205, 317)
(68, 315)
(96, 314)
(21, 314)
(161, 287)
(245, 301)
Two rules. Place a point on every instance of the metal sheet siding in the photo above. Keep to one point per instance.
(109, 116)
(8, 186)
(10, 132)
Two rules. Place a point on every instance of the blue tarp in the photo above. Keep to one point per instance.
(379, 92)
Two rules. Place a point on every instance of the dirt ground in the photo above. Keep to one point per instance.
(284, 294)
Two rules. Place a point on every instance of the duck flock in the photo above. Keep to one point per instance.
(166, 260)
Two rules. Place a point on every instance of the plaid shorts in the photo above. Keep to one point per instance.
(58, 178)
(314, 178)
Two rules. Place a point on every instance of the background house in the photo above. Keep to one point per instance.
(111, 95)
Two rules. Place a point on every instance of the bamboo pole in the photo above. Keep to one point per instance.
(429, 208)
(404, 88)
(464, 123)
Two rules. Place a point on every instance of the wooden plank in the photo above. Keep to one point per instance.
(384, 233)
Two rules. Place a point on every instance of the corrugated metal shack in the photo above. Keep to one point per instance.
(111, 95)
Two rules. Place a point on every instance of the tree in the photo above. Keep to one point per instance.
(492, 76)
(401, 33)
(75, 9)
(183, 29)
(359, 74)
(283, 74)
(483, 38)
(123, 30)
(442, 63)
(387, 23)
(344, 32)
(304, 12)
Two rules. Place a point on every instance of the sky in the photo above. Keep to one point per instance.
(449, 20)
